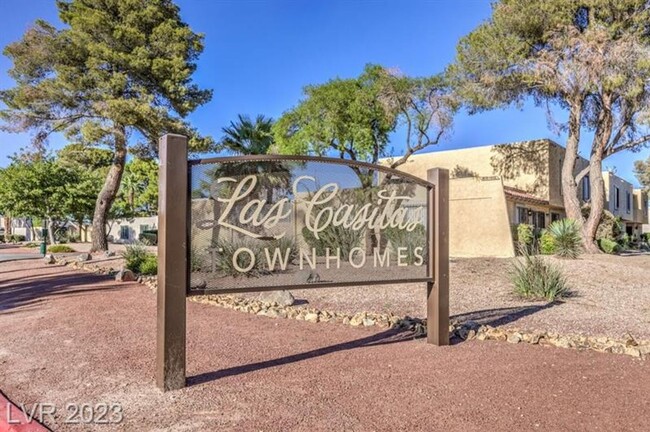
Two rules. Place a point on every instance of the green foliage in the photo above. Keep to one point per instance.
(32, 245)
(525, 235)
(118, 75)
(642, 172)
(60, 249)
(227, 249)
(149, 238)
(610, 226)
(408, 239)
(536, 278)
(608, 246)
(17, 238)
(567, 238)
(134, 256)
(334, 237)
(353, 118)
(138, 193)
(547, 243)
(150, 265)
(624, 241)
(247, 137)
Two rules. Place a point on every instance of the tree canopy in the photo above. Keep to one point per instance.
(642, 172)
(588, 57)
(353, 118)
(117, 75)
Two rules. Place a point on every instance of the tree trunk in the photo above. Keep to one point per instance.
(597, 185)
(109, 192)
(50, 230)
(569, 185)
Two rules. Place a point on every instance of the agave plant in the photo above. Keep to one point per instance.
(567, 239)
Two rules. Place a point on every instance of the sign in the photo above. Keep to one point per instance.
(261, 223)
(278, 222)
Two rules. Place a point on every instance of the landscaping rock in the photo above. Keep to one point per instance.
(84, 257)
(125, 275)
(282, 298)
(109, 254)
(49, 259)
(198, 284)
(311, 317)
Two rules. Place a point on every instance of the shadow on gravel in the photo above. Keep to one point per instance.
(501, 316)
(31, 290)
(383, 338)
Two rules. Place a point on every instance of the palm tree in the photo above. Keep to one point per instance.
(247, 137)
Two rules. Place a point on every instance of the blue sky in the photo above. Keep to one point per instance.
(259, 54)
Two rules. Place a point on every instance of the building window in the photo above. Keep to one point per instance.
(124, 232)
(617, 197)
(555, 217)
(522, 215)
(540, 220)
(586, 188)
(628, 201)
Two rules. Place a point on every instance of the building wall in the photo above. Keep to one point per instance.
(612, 182)
(133, 227)
(640, 206)
(478, 219)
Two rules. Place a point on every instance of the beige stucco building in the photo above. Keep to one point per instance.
(494, 188)
(626, 202)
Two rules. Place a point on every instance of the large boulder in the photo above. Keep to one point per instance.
(49, 259)
(125, 275)
(282, 298)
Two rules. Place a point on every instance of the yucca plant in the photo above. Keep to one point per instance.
(536, 278)
(567, 239)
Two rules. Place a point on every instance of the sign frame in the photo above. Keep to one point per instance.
(174, 252)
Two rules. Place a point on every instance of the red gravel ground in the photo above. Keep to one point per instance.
(74, 337)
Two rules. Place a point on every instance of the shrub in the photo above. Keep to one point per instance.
(32, 245)
(624, 241)
(334, 237)
(17, 238)
(608, 246)
(525, 236)
(226, 251)
(60, 249)
(410, 240)
(134, 255)
(567, 238)
(547, 243)
(150, 265)
(535, 278)
(149, 237)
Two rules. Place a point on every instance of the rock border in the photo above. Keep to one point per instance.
(465, 331)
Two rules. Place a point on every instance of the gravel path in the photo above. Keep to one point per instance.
(74, 337)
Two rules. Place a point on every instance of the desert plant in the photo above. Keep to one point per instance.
(60, 249)
(547, 243)
(408, 239)
(134, 255)
(608, 246)
(536, 278)
(150, 265)
(224, 259)
(624, 241)
(334, 237)
(525, 236)
(567, 238)
(149, 237)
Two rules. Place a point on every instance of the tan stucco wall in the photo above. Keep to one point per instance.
(640, 206)
(478, 219)
(611, 182)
